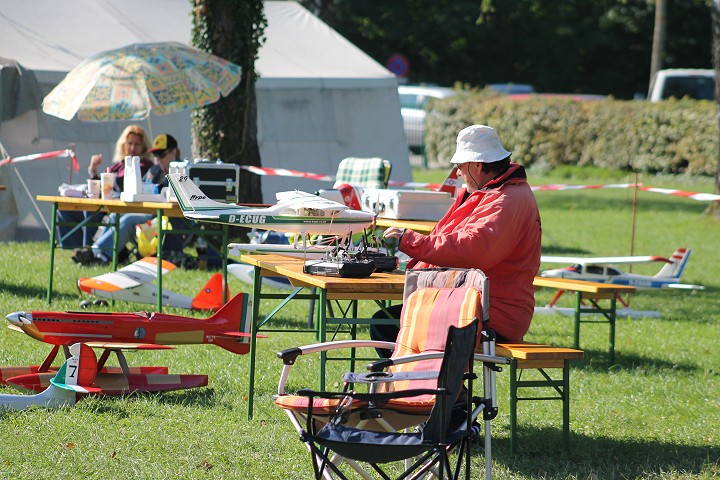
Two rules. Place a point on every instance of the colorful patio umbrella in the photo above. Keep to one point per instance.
(126, 83)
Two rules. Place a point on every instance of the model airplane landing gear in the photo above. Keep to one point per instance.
(97, 302)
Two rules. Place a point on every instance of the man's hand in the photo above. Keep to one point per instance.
(394, 233)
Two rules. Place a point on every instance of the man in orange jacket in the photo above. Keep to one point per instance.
(493, 225)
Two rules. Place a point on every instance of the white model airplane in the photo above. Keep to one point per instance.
(295, 212)
(134, 283)
(603, 270)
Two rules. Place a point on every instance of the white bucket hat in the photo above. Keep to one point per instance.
(478, 143)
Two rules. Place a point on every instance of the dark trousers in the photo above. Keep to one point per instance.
(385, 333)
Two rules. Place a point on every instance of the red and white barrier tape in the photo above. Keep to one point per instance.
(43, 156)
(557, 187)
(702, 197)
(282, 172)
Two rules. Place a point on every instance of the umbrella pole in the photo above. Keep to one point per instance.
(149, 126)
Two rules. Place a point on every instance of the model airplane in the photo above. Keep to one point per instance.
(229, 328)
(295, 212)
(602, 269)
(133, 283)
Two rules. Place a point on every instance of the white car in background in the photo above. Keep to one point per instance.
(412, 108)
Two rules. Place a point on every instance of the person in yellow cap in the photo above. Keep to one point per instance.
(164, 150)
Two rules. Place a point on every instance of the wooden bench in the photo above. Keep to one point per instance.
(541, 357)
(593, 292)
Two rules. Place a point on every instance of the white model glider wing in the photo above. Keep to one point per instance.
(603, 260)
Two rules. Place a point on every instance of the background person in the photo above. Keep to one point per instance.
(164, 150)
(133, 141)
(493, 225)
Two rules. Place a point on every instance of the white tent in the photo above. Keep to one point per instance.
(320, 99)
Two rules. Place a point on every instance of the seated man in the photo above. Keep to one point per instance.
(493, 225)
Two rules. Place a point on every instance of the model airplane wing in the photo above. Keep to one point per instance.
(298, 199)
(604, 260)
(137, 273)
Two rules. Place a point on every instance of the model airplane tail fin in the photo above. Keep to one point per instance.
(190, 197)
(674, 268)
(78, 372)
(210, 297)
(451, 182)
(236, 316)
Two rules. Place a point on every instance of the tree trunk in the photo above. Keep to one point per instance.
(227, 129)
(658, 45)
(714, 208)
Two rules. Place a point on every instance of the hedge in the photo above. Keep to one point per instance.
(672, 136)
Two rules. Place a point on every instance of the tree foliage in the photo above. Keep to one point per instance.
(227, 129)
(569, 46)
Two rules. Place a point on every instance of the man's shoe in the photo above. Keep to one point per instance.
(84, 256)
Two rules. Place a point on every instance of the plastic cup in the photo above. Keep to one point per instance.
(107, 185)
(93, 188)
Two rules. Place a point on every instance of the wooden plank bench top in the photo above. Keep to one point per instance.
(582, 285)
(536, 355)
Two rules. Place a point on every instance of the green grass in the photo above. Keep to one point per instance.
(655, 413)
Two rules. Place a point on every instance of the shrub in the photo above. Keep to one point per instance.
(666, 137)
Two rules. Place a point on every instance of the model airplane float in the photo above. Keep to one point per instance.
(134, 283)
(604, 270)
(295, 212)
(229, 328)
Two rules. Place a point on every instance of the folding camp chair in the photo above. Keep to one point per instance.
(427, 314)
(364, 172)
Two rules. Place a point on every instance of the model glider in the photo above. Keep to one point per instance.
(228, 328)
(134, 283)
(603, 270)
(295, 212)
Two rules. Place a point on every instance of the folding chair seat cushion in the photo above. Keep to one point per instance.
(321, 406)
(365, 172)
(425, 317)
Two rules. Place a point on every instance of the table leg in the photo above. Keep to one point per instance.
(611, 318)
(578, 306)
(52, 251)
(322, 317)
(257, 283)
(159, 259)
(224, 253)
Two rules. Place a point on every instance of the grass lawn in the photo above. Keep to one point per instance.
(654, 413)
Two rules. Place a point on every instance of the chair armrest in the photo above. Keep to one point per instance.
(288, 356)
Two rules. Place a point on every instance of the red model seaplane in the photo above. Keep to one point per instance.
(228, 328)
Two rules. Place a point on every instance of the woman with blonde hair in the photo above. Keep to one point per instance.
(133, 141)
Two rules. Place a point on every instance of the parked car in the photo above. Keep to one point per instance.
(682, 82)
(512, 88)
(412, 107)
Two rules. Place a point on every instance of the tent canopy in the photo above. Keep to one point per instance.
(320, 98)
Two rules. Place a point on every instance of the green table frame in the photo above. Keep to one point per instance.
(119, 207)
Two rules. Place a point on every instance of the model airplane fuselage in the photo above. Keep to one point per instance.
(603, 270)
(228, 328)
(295, 212)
